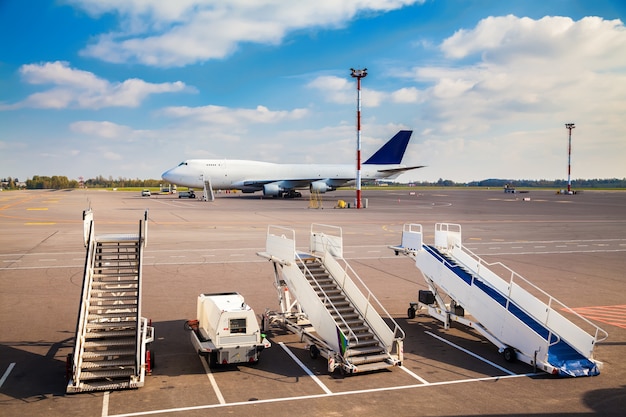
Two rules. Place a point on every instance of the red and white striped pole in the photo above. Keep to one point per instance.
(358, 74)
(569, 126)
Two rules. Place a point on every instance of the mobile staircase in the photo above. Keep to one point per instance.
(508, 310)
(323, 300)
(110, 351)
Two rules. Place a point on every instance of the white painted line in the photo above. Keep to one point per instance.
(414, 375)
(6, 373)
(105, 404)
(316, 396)
(305, 369)
(209, 374)
(495, 365)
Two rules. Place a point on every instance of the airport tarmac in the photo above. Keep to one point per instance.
(571, 246)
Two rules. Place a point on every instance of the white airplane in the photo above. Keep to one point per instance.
(280, 180)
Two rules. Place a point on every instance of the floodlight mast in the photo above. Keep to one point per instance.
(569, 126)
(358, 74)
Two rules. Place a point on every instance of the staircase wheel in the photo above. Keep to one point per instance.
(212, 357)
(509, 354)
(411, 313)
(152, 359)
(314, 351)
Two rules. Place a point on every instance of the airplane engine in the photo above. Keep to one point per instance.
(273, 190)
(321, 187)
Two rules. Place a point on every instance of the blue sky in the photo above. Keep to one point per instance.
(129, 88)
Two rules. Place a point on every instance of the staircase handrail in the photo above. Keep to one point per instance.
(327, 299)
(349, 272)
(335, 249)
(83, 309)
(139, 353)
(600, 334)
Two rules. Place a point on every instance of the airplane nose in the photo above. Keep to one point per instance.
(167, 175)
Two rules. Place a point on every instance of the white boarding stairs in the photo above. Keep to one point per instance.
(110, 351)
(324, 301)
(515, 315)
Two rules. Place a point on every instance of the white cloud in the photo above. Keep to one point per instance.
(529, 71)
(82, 89)
(178, 33)
(234, 117)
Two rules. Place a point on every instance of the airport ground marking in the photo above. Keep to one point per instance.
(318, 396)
(6, 374)
(305, 369)
(105, 404)
(414, 375)
(495, 365)
(213, 382)
(613, 315)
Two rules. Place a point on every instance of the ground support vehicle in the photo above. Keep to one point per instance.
(226, 330)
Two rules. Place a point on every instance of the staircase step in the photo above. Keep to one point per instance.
(355, 329)
(375, 366)
(119, 334)
(112, 364)
(115, 299)
(104, 353)
(110, 307)
(106, 317)
(360, 351)
(111, 341)
(120, 373)
(110, 326)
(360, 360)
(108, 285)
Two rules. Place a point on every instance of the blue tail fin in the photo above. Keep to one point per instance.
(392, 151)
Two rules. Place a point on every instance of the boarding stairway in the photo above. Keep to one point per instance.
(324, 301)
(523, 321)
(110, 351)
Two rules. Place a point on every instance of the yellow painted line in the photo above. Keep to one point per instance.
(37, 208)
(39, 223)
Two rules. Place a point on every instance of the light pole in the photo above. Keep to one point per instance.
(569, 126)
(358, 74)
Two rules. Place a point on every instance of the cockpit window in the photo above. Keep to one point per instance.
(183, 163)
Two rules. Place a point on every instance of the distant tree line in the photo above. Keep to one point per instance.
(61, 182)
(101, 182)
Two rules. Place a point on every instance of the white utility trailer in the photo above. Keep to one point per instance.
(226, 330)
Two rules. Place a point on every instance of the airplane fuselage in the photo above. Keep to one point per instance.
(251, 175)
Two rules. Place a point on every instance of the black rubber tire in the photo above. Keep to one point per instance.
(411, 313)
(314, 351)
(152, 359)
(509, 354)
(212, 359)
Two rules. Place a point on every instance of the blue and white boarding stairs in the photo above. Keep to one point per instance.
(515, 315)
(324, 301)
